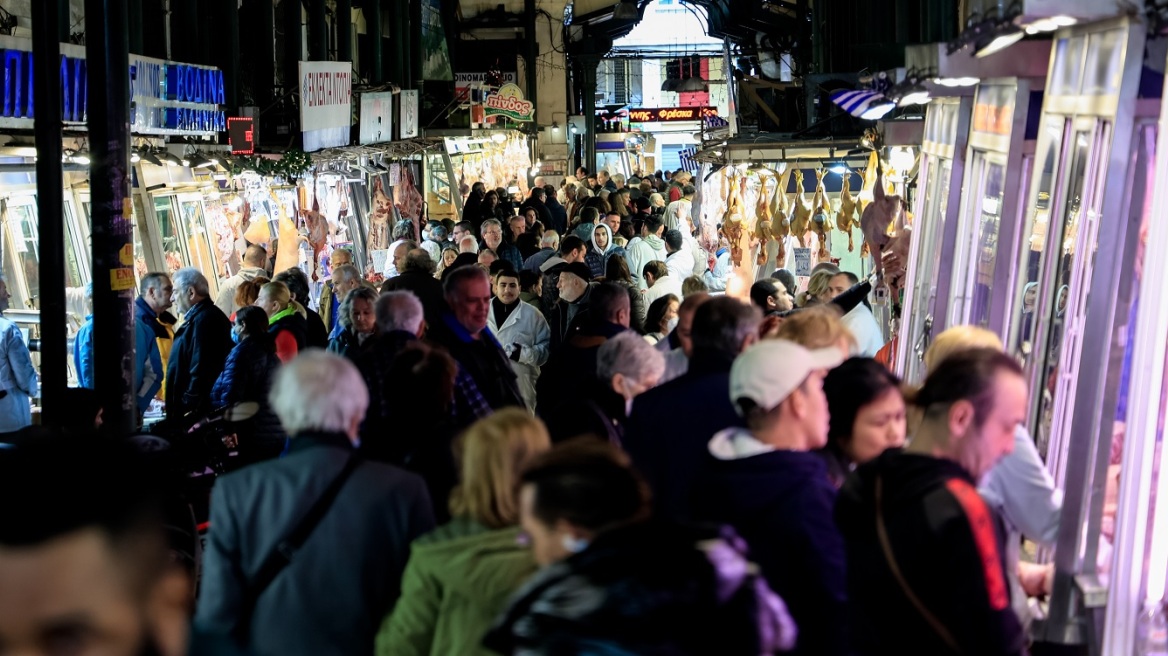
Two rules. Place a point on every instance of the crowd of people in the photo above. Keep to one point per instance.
(537, 453)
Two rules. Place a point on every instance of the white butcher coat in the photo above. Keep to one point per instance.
(526, 327)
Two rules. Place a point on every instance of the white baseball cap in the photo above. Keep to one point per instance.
(769, 371)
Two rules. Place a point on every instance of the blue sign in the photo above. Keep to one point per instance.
(156, 88)
(18, 86)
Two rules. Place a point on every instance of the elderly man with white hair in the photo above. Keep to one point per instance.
(199, 349)
(348, 521)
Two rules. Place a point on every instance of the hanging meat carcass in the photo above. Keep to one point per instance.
(379, 216)
(846, 219)
(733, 221)
(317, 227)
(763, 233)
(801, 213)
(876, 218)
(821, 219)
(409, 200)
(288, 247)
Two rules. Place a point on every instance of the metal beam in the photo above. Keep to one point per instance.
(344, 23)
(50, 224)
(107, 51)
(317, 31)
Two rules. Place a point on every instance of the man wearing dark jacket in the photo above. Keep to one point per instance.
(200, 348)
(574, 284)
(764, 481)
(418, 278)
(463, 332)
(559, 212)
(925, 567)
(537, 200)
(570, 372)
(322, 602)
(670, 426)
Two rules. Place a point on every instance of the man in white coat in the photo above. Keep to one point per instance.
(521, 330)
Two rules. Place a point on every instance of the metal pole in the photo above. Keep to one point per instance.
(344, 22)
(373, 36)
(107, 51)
(414, 17)
(588, 66)
(293, 44)
(50, 218)
(317, 31)
(136, 41)
(230, 10)
(532, 53)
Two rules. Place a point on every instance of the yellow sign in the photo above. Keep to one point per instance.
(126, 255)
(121, 279)
(127, 207)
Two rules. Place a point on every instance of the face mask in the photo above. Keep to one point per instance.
(575, 545)
(670, 325)
(235, 337)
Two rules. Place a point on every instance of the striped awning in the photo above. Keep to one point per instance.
(857, 101)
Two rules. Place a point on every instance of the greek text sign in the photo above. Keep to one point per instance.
(669, 114)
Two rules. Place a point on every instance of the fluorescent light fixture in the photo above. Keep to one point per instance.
(838, 168)
(80, 158)
(998, 40)
(877, 110)
(135, 157)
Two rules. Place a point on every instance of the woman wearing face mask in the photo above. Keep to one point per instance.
(626, 366)
(247, 376)
(460, 575)
(867, 415)
(661, 318)
(286, 323)
(358, 323)
(614, 582)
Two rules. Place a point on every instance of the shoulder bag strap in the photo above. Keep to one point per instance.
(281, 556)
(886, 546)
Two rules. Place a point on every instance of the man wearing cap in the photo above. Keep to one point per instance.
(572, 249)
(575, 288)
(765, 481)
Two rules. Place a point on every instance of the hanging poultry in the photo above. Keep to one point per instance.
(801, 213)
(781, 216)
(845, 220)
(762, 227)
(732, 221)
(880, 213)
(821, 219)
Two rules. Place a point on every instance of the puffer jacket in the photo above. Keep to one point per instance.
(247, 376)
(597, 258)
(647, 588)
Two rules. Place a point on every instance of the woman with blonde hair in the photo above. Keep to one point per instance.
(286, 322)
(1019, 487)
(818, 289)
(815, 328)
(461, 575)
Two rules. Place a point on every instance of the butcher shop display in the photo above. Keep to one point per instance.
(821, 218)
(801, 212)
(846, 218)
(877, 218)
(781, 211)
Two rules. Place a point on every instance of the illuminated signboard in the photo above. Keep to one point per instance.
(241, 135)
(670, 114)
(168, 97)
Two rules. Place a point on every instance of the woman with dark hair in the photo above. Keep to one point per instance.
(358, 323)
(616, 269)
(867, 415)
(615, 582)
(247, 376)
(661, 318)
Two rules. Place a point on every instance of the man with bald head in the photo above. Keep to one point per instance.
(255, 258)
(417, 277)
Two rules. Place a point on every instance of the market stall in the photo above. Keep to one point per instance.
(1092, 179)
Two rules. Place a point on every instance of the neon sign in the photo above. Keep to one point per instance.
(670, 114)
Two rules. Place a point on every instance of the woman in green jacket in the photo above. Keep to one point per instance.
(461, 575)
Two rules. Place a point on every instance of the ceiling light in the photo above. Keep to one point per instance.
(1064, 21)
(197, 161)
(998, 40)
(555, 126)
(626, 11)
(877, 110)
(135, 157)
(150, 158)
(915, 95)
(80, 158)
(170, 159)
(572, 128)
(902, 159)
(838, 168)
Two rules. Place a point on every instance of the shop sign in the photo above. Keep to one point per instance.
(175, 98)
(168, 97)
(802, 262)
(463, 81)
(409, 113)
(325, 95)
(508, 102)
(670, 114)
(241, 135)
(376, 118)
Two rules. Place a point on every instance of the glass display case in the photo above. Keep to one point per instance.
(934, 229)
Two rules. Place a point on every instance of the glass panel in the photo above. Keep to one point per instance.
(170, 230)
(198, 244)
(1104, 66)
(935, 205)
(1064, 249)
(987, 241)
(25, 239)
(141, 268)
(1039, 219)
(1067, 69)
(73, 261)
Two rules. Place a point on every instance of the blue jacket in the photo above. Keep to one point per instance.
(149, 368)
(83, 353)
(200, 349)
(247, 376)
(17, 377)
